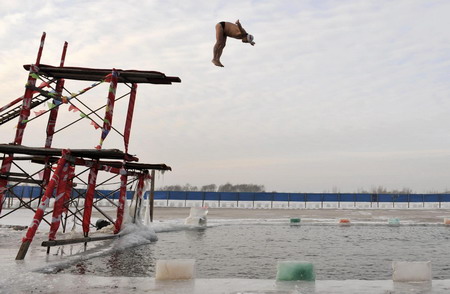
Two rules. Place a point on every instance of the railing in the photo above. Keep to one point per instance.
(265, 200)
(302, 200)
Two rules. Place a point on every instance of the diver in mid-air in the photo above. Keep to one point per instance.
(232, 30)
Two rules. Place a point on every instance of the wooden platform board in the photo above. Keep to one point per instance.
(94, 74)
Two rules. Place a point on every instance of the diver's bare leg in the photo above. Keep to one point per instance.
(218, 47)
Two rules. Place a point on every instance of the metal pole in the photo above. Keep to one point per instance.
(89, 199)
(107, 121)
(52, 122)
(127, 131)
(58, 207)
(26, 103)
(152, 195)
(26, 241)
(24, 113)
(122, 202)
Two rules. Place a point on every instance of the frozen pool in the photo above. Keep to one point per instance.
(251, 251)
(233, 256)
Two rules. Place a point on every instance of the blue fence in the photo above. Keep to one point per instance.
(300, 197)
(34, 191)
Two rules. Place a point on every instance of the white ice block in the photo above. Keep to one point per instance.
(197, 216)
(175, 269)
(411, 271)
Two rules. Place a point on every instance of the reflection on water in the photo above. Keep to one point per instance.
(252, 251)
(81, 268)
(195, 235)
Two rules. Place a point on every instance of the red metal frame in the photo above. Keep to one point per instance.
(63, 175)
(129, 121)
(25, 112)
(60, 197)
(122, 199)
(52, 119)
(46, 199)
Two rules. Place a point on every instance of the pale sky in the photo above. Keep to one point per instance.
(335, 95)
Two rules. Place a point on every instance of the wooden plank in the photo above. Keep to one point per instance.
(52, 243)
(23, 250)
(89, 153)
(118, 164)
(95, 74)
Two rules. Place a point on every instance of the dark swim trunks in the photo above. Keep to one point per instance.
(222, 23)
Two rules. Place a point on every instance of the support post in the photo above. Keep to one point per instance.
(152, 195)
(23, 117)
(26, 103)
(59, 201)
(52, 118)
(127, 131)
(26, 241)
(107, 121)
(68, 192)
(122, 201)
(124, 177)
(89, 199)
(138, 196)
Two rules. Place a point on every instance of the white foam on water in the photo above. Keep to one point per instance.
(132, 235)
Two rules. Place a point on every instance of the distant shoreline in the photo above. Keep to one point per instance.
(436, 216)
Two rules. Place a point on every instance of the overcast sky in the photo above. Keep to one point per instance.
(335, 95)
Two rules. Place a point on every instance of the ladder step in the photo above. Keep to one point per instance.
(22, 175)
(22, 180)
(19, 178)
(15, 112)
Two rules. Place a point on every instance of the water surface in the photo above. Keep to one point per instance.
(251, 251)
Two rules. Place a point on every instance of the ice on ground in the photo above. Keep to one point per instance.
(408, 271)
(176, 269)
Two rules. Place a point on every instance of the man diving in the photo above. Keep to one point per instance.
(228, 29)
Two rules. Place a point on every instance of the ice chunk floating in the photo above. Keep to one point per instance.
(295, 271)
(406, 271)
(394, 222)
(176, 269)
(344, 222)
(295, 221)
(197, 216)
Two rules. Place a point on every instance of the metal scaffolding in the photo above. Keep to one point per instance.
(61, 166)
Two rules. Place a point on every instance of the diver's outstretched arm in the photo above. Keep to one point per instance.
(243, 32)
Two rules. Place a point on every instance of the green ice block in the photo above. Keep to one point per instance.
(394, 221)
(295, 220)
(295, 271)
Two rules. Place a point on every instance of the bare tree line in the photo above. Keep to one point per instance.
(252, 188)
(214, 188)
(379, 190)
(383, 190)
